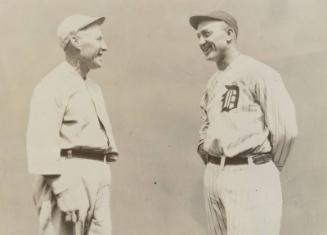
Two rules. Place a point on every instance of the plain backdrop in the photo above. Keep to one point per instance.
(153, 77)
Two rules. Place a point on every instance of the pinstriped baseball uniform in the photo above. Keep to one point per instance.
(247, 111)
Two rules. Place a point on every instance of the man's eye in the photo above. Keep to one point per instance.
(206, 34)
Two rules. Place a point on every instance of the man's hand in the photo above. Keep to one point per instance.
(203, 153)
(73, 202)
(280, 168)
(112, 157)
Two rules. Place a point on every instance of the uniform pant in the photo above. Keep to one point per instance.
(243, 199)
(96, 218)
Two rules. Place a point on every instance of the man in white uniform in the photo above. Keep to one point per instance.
(69, 137)
(249, 126)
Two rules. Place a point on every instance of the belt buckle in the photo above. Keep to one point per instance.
(251, 161)
(69, 154)
(105, 158)
(260, 160)
(222, 162)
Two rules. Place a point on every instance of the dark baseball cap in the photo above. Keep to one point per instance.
(215, 16)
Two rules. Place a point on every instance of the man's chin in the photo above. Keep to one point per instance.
(211, 57)
(96, 65)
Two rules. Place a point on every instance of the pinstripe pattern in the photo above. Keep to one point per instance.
(263, 119)
(243, 200)
(216, 215)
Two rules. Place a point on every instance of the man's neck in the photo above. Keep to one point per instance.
(78, 66)
(229, 57)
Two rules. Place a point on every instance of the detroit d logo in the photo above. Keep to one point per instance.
(230, 98)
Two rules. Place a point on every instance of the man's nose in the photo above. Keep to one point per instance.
(104, 46)
(201, 40)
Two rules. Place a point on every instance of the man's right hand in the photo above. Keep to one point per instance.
(73, 202)
(73, 199)
(203, 153)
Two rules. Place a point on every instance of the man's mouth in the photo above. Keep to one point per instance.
(99, 54)
(207, 48)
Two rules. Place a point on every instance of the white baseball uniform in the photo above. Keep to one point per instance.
(247, 112)
(68, 112)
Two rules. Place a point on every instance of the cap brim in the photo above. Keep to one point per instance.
(196, 20)
(98, 20)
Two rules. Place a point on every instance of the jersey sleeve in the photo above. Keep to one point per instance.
(43, 130)
(204, 126)
(279, 115)
(108, 127)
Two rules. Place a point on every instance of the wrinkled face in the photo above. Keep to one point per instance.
(91, 46)
(213, 39)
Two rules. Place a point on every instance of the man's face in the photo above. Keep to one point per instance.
(91, 46)
(213, 39)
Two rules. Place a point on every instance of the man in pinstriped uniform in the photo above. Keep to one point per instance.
(248, 128)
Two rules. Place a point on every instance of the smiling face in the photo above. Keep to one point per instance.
(213, 39)
(91, 46)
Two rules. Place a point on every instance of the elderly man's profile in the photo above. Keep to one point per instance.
(70, 143)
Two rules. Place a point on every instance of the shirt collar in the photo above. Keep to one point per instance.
(71, 70)
(234, 62)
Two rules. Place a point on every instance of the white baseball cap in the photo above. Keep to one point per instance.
(72, 24)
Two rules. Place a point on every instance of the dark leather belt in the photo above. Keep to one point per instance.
(100, 155)
(240, 160)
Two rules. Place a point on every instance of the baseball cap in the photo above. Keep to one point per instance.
(215, 16)
(72, 25)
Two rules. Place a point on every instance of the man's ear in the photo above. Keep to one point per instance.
(230, 35)
(74, 41)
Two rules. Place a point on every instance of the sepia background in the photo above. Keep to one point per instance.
(153, 77)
